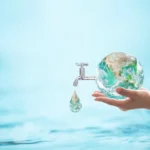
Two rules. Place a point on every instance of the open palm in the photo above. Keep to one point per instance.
(135, 99)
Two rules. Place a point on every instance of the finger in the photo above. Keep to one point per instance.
(123, 109)
(97, 94)
(143, 89)
(127, 93)
(110, 101)
(97, 91)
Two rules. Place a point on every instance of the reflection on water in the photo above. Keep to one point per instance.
(17, 134)
(33, 117)
(27, 123)
(84, 130)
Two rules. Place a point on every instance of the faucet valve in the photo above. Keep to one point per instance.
(82, 64)
(82, 74)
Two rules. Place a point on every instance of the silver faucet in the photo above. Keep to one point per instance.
(82, 74)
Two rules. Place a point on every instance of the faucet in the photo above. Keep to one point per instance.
(82, 74)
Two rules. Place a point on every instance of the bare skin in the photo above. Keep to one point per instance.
(135, 99)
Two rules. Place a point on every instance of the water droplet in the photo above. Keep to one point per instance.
(75, 104)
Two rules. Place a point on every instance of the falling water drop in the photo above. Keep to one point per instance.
(75, 104)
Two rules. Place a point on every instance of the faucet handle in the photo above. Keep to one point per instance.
(82, 64)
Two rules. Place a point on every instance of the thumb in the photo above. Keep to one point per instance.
(125, 92)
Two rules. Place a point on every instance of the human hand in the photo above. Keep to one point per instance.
(135, 99)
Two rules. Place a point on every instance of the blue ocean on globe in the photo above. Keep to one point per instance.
(119, 70)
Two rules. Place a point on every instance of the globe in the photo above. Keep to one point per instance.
(118, 70)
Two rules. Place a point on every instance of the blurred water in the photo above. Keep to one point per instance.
(29, 135)
(120, 132)
(30, 119)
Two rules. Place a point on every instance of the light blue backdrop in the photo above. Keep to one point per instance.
(40, 42)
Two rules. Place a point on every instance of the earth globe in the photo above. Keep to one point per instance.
(119, 70)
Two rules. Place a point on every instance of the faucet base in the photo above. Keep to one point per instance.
(75, 83)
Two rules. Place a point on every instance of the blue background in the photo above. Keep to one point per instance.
(40, 42)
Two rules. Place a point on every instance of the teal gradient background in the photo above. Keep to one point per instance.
(40, 42)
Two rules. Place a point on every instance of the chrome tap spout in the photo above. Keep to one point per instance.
(82, 74)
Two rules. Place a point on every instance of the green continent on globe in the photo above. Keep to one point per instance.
(119, 70)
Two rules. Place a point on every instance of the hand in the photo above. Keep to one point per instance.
(135, 99)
